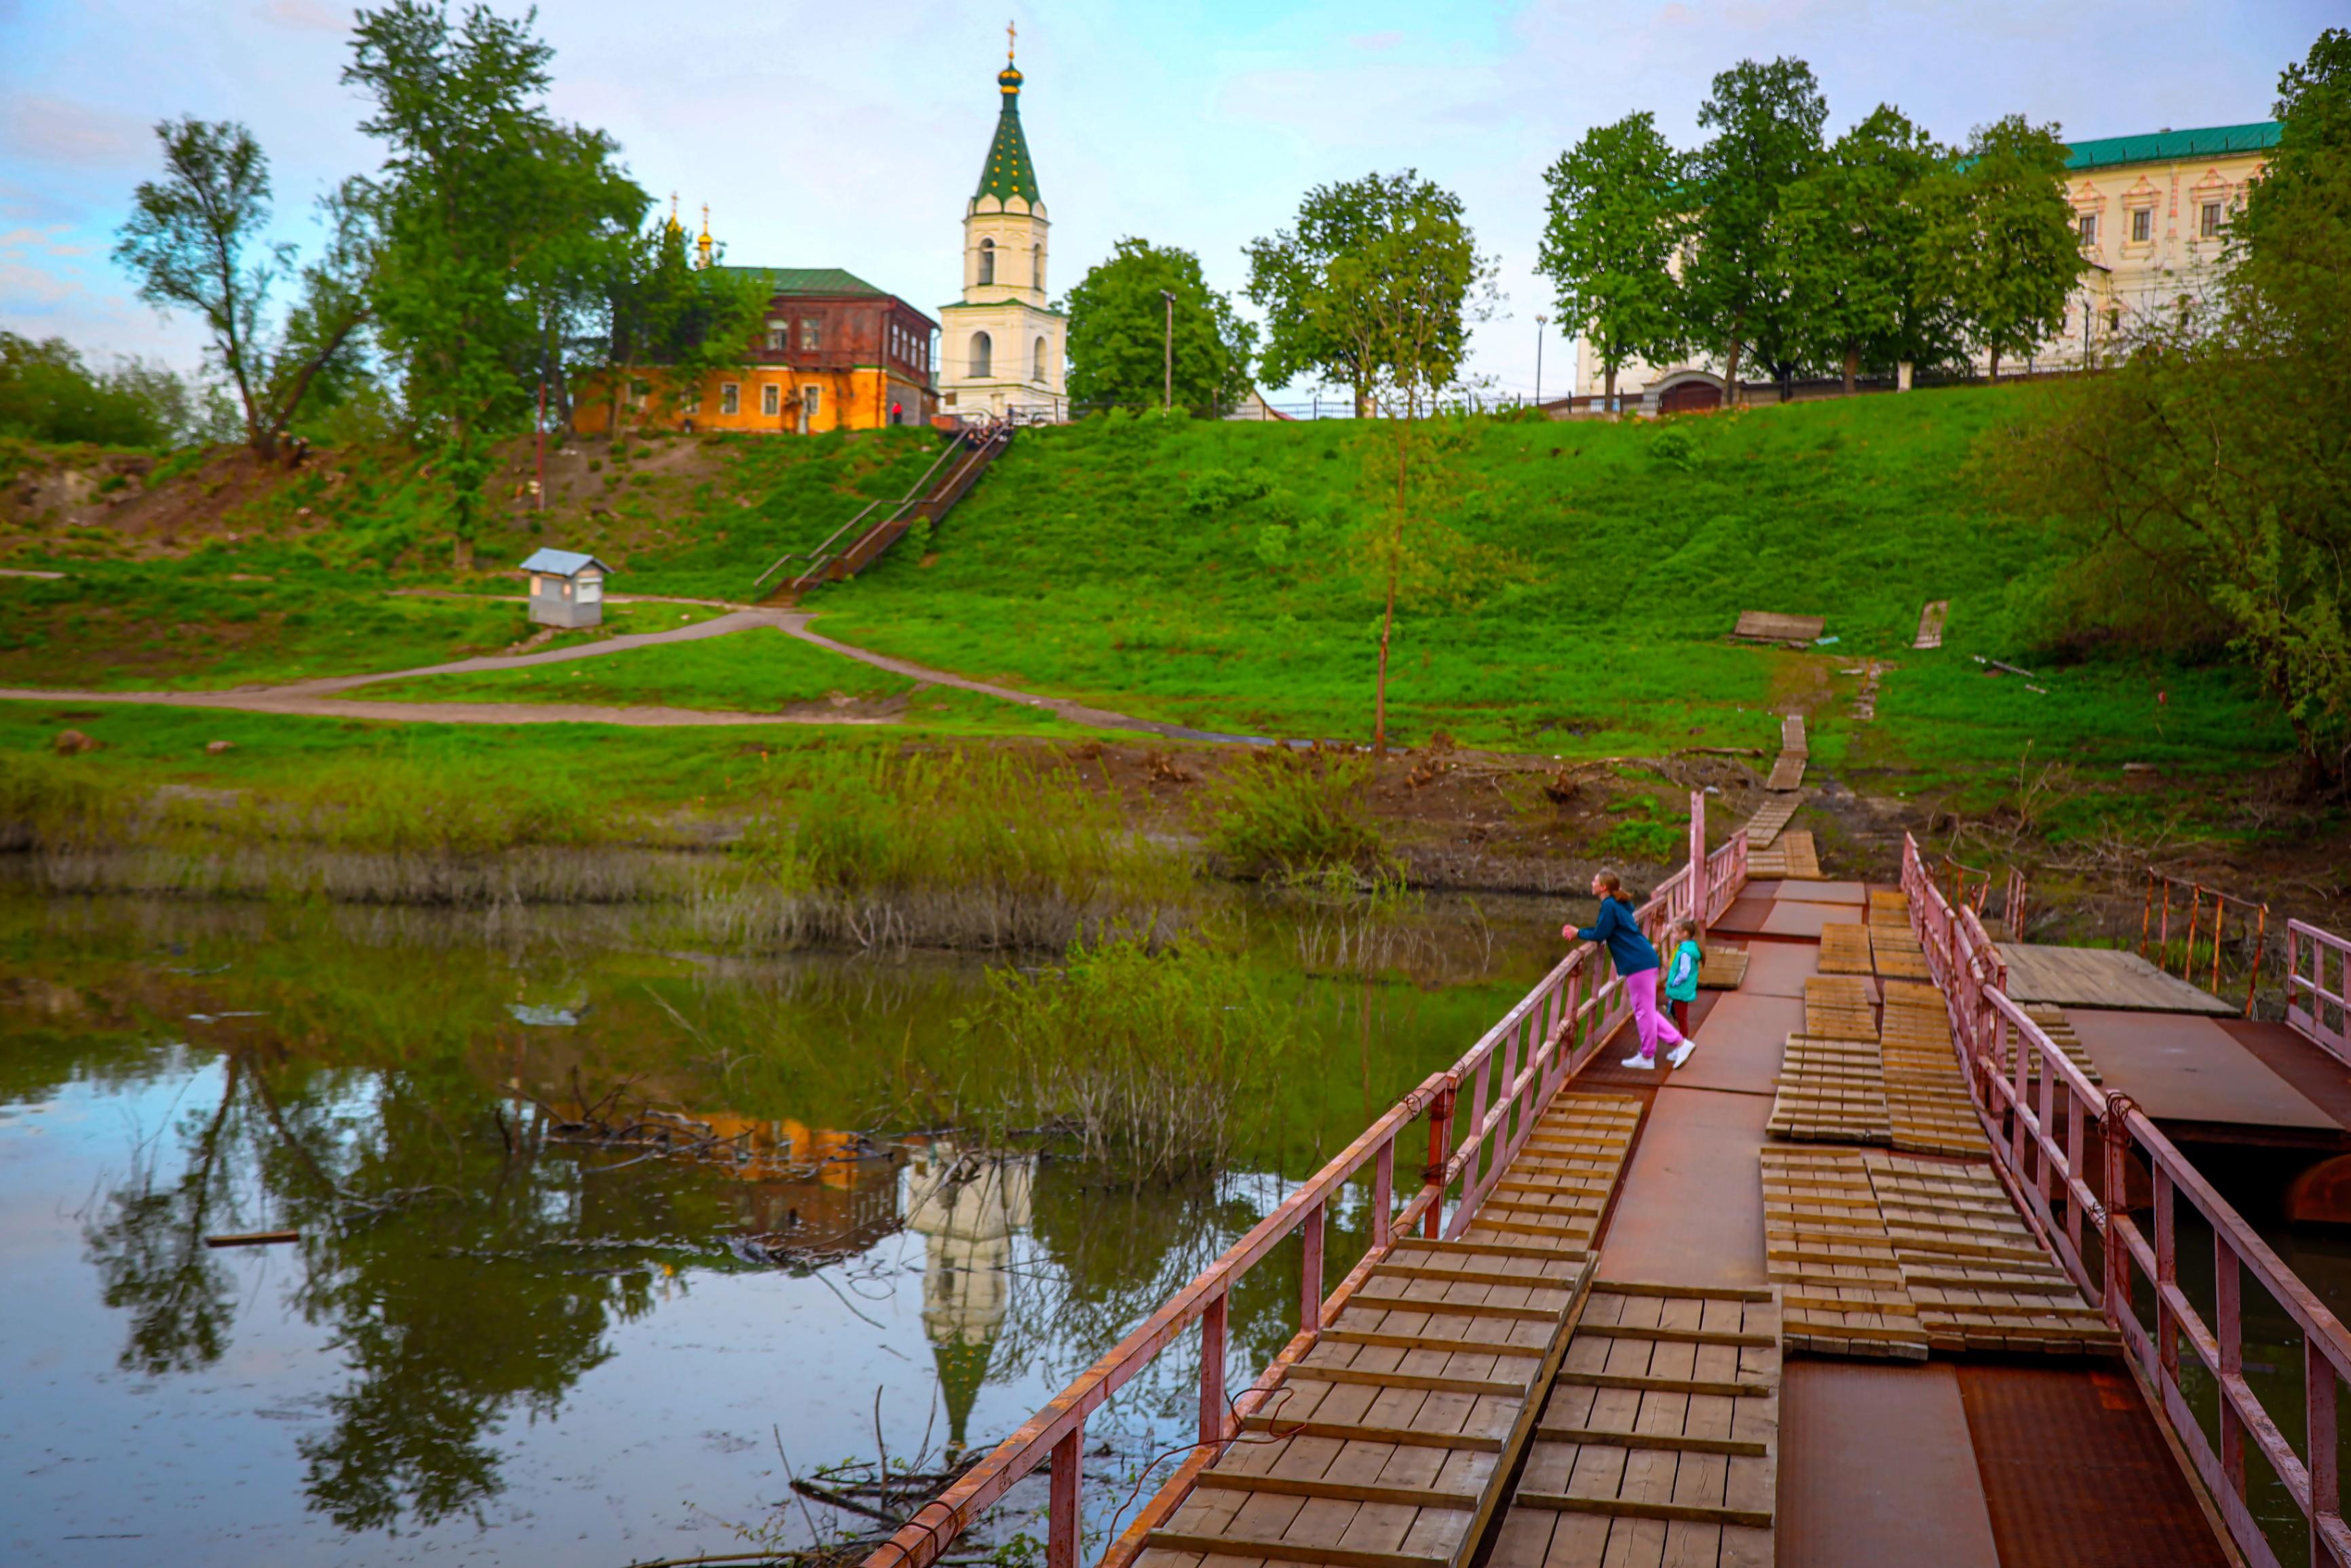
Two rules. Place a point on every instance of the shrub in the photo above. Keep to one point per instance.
(1285, 811)
(1157, 1059)
(1217, 491)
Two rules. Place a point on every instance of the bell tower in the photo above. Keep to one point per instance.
(1003, 341)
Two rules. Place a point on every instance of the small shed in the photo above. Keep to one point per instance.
(567, 589)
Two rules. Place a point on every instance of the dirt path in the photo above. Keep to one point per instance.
(324, 698)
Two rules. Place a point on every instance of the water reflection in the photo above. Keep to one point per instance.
(554, 1279)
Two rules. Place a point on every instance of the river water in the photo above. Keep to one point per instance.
(498, 1334)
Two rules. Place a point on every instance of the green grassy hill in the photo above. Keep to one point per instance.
(1585, 574)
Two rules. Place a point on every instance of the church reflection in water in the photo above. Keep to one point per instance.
(966, 1207)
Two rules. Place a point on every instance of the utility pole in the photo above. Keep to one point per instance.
(1541, 322)
(1167, 393)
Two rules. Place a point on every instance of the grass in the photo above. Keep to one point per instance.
(1583, 581)
(189, 626)
(759, 670)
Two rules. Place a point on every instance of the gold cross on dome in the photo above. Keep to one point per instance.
(1011, 36)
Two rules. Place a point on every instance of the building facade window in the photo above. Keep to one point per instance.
(810, 336)
(730, 398)
(812, 401)
(2089, 228)
(2143, 226)
(983, 354)
(771, 400)
(780, 337)
(987, 261)
(1039, 376)
(2209, 225)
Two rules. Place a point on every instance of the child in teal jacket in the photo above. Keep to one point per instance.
(1681, 976)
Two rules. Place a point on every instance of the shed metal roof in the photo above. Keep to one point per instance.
(561, 562)
(2167, 146)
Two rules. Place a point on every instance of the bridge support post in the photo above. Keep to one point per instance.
(1212, 1370)
(1440, 1141)
(1062, 1532)
(1309, 1271)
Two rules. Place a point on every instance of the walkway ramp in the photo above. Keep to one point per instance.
(1660, 1442)
(2101, 977)
(1387, 1446)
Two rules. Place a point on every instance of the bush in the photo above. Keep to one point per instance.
(1285, 811)
(1157, 1059)
(1218, 490)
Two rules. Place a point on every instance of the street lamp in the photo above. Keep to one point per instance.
(1541, 322)
(1167, 392)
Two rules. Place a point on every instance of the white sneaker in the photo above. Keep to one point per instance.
(1640, 1063)
(1680, 1053)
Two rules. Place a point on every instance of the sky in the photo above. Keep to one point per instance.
(851, 135)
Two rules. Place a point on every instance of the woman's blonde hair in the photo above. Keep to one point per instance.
(1614, 887)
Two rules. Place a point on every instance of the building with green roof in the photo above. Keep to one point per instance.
(1003, 345)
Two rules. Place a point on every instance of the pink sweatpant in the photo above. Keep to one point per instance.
(1652, 1026)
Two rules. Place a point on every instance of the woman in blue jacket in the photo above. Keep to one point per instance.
(1636, 965)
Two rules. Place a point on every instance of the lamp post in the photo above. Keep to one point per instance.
(1541, 322)
(1167, 392)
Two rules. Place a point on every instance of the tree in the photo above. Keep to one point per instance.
(1998, 246)
(1290, 277)
(1853, 227)
(1119, 332)
(48, 394)
(493, 213)
(2206, 479)
(195, 240)
(691, 321)
(1616, 218)
(1767, 124)
(1399, 300)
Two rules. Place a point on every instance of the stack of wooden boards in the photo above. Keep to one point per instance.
(1881, 1256)
(1788, 769)
(1768, 626)
(1392, 1439)
(1795, 856)
(1846, 1079)
(1721, 968)
(1894, 947)
(1660, 1441)
(2059, 1031)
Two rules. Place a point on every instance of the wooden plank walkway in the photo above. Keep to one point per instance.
(1845, 949)
(2059, 1031)
(1766, 825)
(1930, 623)
(1926, 1098)
(1794, 856)
(1837, 1007)
(1840, 1291)
(2102, 977)
(1980, 1279)
(1788, 769)
(1831, 1091)
(1659, 1442)
(1388, 1443)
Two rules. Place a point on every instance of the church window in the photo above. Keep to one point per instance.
(1036, 267)
(730, 398)
(2143, 226)
(982, 354)
(1041, 361)
(771, 400)
(809, 334)
(2089, 228)
(2210, 226)
(987, 261)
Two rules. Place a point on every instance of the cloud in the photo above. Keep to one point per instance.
(40, 129)
(1378, 41)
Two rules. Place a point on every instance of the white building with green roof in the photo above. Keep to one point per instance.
(1003, 346)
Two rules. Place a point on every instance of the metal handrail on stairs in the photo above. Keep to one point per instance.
(967, 453)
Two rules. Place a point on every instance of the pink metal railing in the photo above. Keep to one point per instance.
(1511, 1073)
(2041, 1134)
(2159, 932)
(2320, 1012)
